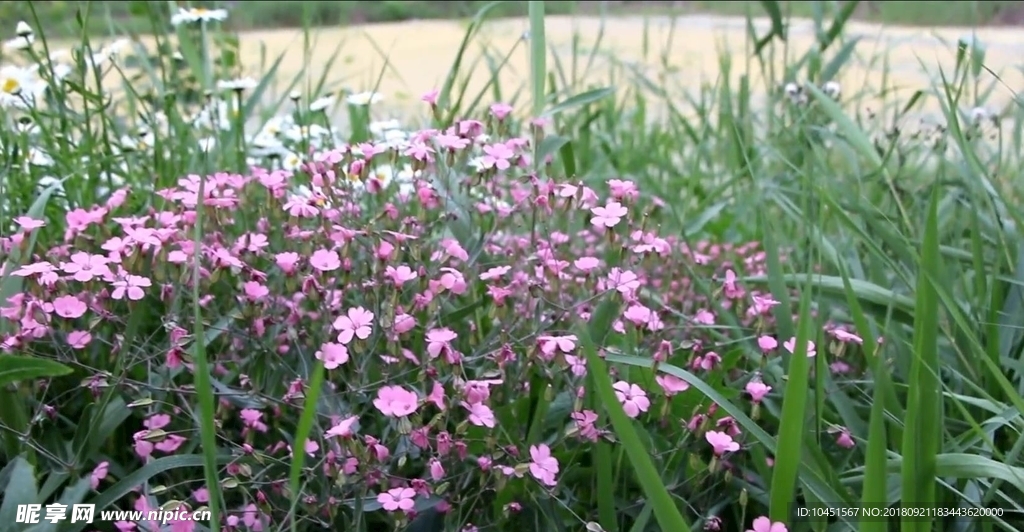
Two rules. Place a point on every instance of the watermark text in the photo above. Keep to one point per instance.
(86, 513)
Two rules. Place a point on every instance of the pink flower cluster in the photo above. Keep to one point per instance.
(432, 345)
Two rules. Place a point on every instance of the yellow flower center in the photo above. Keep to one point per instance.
(200, 10)
(10, 86)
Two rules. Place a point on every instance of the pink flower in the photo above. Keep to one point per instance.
(633, 398)
(762, 304)
(497, 156)
(451, 280)
(577, 365)
(729, 287)
(844, 439)
(494, 273)
(549, 344)
(608, 216)
(131, 286)
(98, 474)
(85, 267)
(501, 110)
(287, 261)
(404, 323)
(395, 401)
(439, 341)
(844, 336)
(480, 414)
(437, 396)
(543, 466)
(69, 307)
(254, 290)
(28, 224)
(767, 343)
(251, 418)
(721, 442)
(585, 420)
(332, 355)
(157, 421)
(400, 275)
(763, 524)
(671, 384)
(325, 260)
(757, 390)
(430, 96)
(790, 346)
(585, 264)
(397, 499)
(343, 429)
(624, 281)
(79, 339)
(623, 189)
(436, 470)
(357, 323)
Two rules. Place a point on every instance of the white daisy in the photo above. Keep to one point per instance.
(832, 89)
(264, 144)
(20, 43)
(19, 87)
(198, 14)
(313, 132)
(384, 174)
(979, 114)
(116, 48)
(23, 29)
(291, 161)
(364, 98)
(239, 84)
(38, 157)
(276, 125)
(321, 104)
(382, 127)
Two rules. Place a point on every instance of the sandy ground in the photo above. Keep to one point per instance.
(415, 56)
(420, 53)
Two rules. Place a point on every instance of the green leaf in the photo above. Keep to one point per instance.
(924, 394)
(811, 480)
(14, 368)
(21, 489)
(866, 292)
(839, 61)
(665, 510)
(73, 494)
(549, 146)
(579, 100)
(792, 421)
(538, 55)
(142, 475)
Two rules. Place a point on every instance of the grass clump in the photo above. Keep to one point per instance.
(606, 308)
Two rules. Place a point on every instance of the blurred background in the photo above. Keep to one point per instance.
(678, 52)
(132, 16)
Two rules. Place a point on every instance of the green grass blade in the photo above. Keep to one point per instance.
(793, 417)
(665, 510)
(538, 56)
(924, 408)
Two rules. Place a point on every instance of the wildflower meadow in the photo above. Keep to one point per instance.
(777, 303)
